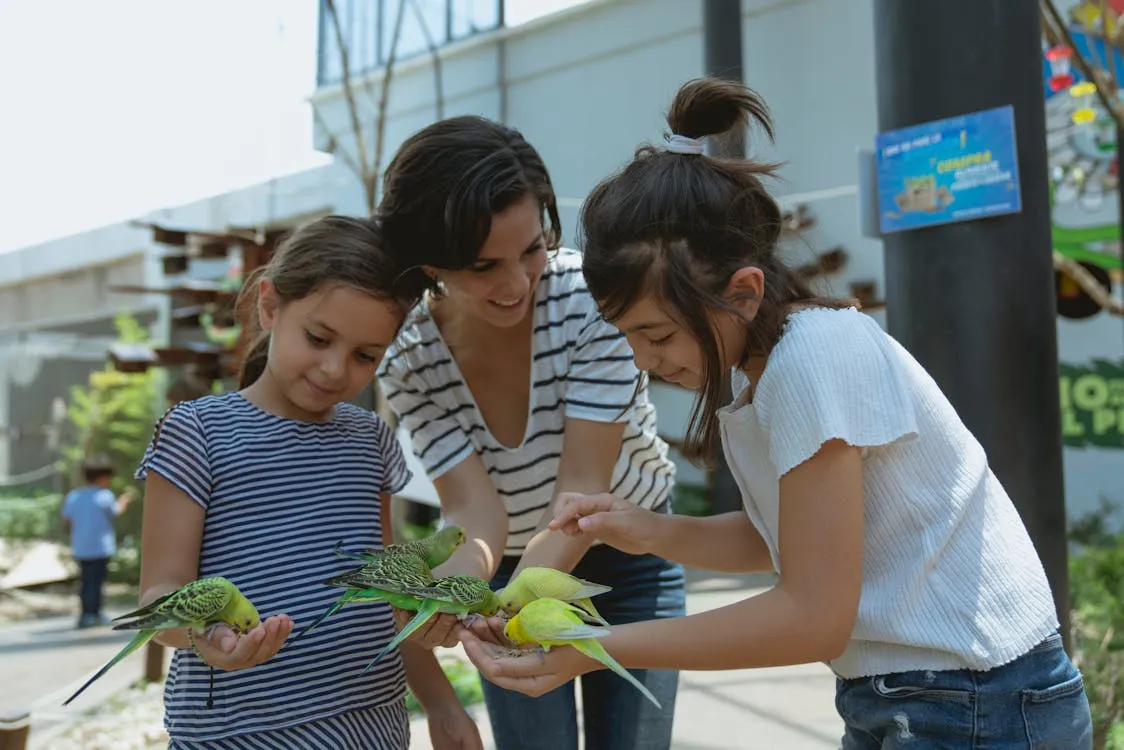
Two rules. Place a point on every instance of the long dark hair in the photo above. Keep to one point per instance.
(678, 226)
(447, 180)
(333, 250)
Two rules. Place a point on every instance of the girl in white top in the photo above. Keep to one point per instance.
(902, 562)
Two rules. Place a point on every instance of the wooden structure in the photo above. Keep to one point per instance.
(210, 307)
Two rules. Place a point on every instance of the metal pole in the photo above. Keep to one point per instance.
(722, 53)
(974, 301)
(722, 57)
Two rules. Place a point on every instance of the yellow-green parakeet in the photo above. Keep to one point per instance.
(196, 605)
(547, 583)
(433, 549)
(386, 578)
(460, 595)
(550, 622)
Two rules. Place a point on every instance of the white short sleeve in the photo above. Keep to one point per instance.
(834, 375)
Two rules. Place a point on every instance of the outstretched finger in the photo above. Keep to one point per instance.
(573, 506)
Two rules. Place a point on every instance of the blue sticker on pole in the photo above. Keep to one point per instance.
(950, 170)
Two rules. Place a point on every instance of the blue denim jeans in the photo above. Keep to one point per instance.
(93, 575)
(615, 715)
(1037, 702)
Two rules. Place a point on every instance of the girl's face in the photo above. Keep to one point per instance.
(499, 288)
(324, 348)
(662, 346)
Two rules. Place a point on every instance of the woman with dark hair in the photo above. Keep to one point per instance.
(514, 389)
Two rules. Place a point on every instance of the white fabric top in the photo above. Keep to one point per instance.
(582, 368)
(951, 579)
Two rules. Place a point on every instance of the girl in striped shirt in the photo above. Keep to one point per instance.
(258, 485)
(514, 389)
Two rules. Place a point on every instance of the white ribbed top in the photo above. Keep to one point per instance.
(951, 579)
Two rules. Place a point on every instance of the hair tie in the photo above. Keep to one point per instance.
(681, 144)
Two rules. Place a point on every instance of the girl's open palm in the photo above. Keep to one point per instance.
(223, 649)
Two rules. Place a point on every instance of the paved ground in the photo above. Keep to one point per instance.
(44, 660)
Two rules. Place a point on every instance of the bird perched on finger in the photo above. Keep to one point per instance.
(196, 606)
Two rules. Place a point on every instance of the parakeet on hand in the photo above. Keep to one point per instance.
(433, 549)
(197, 605)
(550, 622)
(547, 583)
(385, 579)
(460, 595)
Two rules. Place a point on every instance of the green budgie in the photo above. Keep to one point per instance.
(433, 549)
(547, 583)
(550, 622)
(196, 605)
(385, 579)
(460, 595)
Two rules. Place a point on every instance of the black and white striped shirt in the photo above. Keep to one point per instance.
(582, 368)
(278, 494)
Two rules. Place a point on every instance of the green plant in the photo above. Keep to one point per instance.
(1096, 586)
(465, 681)
(31, 517)
(691, 500)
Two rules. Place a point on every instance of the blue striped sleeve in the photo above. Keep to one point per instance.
(395, 474)
(178, 453)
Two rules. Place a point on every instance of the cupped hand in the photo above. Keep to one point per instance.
(439, 630)
(223, 649)
(532, 673)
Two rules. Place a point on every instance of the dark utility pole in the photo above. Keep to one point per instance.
(722, 57)
(974, 301)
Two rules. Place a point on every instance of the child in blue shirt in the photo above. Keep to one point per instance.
(89, 512)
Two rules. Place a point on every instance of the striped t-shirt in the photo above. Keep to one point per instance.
(278, 494)
(582, 369)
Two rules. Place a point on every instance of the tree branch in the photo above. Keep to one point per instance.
(380, 122)
(1051, 17)
(334, 146)
(348, 93)
(435, 56)
(1088, 283)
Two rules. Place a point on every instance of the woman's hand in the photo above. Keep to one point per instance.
(451, 728)
(616, 522)
(532, 673)
(439, 630)
(222, 649)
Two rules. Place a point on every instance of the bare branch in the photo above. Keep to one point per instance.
(348, 93)
(435, 56)
(1109, 49)
(1088, 283)
(334, 146)
(1107, 96)
(380, 123)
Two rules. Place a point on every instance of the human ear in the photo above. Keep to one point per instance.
(269, 304)
(745, 290)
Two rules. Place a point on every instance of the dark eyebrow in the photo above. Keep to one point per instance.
(334, 332)
(537, 241)
(648, 326)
